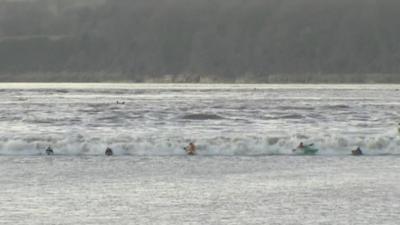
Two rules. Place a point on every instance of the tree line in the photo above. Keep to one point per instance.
(200, 41)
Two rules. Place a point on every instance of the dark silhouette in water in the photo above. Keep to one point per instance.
(109, 152)
(49, 151)
(357, 151)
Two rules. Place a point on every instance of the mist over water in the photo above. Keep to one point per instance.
(159, 120)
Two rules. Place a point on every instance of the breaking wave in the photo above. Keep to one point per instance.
(85, 119)
(202, 117)
(221, 145)
(337, 107)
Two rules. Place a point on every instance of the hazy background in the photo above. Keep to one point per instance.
(200, 40)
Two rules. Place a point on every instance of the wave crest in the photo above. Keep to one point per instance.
(202, 116)
(221, 145)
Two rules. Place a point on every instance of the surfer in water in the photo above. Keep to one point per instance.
(357, 151)
(305, 149)
(190, 149)
(301, 146)
(109, 152)
(49, 151)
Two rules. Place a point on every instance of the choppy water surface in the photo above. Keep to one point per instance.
(83, 119)
(69, 190)
(244, 172)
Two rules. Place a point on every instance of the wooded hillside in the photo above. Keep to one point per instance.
(200, 40)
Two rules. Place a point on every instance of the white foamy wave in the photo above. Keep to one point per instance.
(221, 145)
(248, 120)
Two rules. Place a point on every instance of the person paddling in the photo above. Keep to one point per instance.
(305, 149)
(358, 151)
(109, 152)
(302, 146)
(49, 151)
(190, 149)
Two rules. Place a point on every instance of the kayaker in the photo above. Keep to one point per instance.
(302, 147)
(358, 151)
(109, 152)
(49, 151)
(190, 149)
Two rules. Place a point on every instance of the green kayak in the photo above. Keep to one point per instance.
(306, 150)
